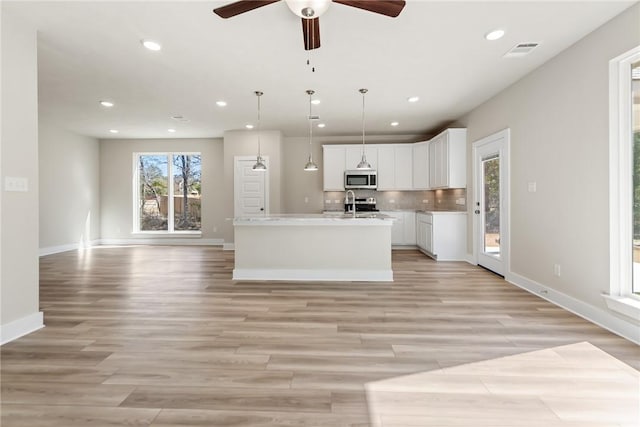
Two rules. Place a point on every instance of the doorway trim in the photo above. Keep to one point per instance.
(505, 192)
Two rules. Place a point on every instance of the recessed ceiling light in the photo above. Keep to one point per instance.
(315, 102)
(171, 130)
(394, 123)
(413, 99)
(221, 103)
(151, 45)
(113, 130)
(106, 103)
(494, 35)
(321, 125)
(249, 126)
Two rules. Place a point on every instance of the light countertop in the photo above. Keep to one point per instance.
(335, 219)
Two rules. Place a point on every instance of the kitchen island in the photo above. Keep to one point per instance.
(313, 247)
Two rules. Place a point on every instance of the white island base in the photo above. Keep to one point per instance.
(313, 247)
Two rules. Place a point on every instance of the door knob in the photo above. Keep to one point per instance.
(261, 209)
(477, 211)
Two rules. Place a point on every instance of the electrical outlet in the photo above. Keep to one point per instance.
(532, 187)
(392, 201)
(215, 229)
(556, 270)
(336, 201)
(425, 201)
(328, 201)
(306, 200)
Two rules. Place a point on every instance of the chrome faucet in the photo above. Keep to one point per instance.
(346, 201)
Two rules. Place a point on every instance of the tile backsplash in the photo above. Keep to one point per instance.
(405, 200)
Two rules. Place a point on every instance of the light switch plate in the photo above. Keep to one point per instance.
(532, 187)
(16, 183)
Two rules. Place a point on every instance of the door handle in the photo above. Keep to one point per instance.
(477, 211)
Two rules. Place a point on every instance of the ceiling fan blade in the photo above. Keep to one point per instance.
(311, 33)
(241, 6)
(390, 8)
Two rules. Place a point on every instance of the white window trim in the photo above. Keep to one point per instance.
(620, 298)
(136, 185)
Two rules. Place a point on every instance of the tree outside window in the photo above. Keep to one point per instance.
(164, 205)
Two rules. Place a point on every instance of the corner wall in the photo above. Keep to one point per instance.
(559, 121)
(19, 303)
(69, 189)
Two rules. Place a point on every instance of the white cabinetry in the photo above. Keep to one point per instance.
(395, 167)
(421, 165)
(403, 231)
(448, 159)
(442, 235)
(333, 167)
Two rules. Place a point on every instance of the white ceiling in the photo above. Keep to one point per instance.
(89, 51)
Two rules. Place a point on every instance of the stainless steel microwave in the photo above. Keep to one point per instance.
(360, 179)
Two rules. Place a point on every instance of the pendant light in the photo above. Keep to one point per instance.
(310, 166)
(363, 162)
(260, 166)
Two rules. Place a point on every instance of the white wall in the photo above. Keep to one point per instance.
(19, 158)
(245, 143)
(116, 183)
(69, 188)
(558, 116)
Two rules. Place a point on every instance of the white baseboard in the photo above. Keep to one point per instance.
(404, 247)
(21, 327)
(228, 246)
(471, 259)
(589, 312)
(65, 248)
(319, 275)
(163, 241)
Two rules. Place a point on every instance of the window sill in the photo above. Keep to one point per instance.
(175, 234)
(625, 305)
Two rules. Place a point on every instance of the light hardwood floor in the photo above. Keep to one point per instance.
(162, 336)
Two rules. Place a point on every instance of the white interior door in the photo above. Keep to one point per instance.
(491, 205)
(251, 195)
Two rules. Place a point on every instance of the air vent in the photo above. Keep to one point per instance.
(314, 117)
(520, 50)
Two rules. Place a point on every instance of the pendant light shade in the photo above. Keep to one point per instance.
(310, 166)
(363, 165)
(260, 166)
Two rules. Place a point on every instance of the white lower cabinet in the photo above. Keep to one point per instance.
(403, 231)
(442, 235)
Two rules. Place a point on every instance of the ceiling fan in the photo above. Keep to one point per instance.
(310, 11)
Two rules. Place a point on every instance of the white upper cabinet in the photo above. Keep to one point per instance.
(395, 167)
(421, 165)
(354, 155)
(404, 166)
(448, 159)
(333, 167)
(386, 167)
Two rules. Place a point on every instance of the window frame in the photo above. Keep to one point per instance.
(620, 297)
(170, 194)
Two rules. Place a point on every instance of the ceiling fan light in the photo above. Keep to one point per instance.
(308, 9)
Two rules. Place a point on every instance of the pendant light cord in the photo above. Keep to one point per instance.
(310, 126)
(259, 94)
(363, 91)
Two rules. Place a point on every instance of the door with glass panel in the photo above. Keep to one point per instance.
(491, 201)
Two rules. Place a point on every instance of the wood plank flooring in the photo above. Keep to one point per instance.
(161, 336)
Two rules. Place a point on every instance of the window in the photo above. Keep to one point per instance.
(624, 187)
(167, 192)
